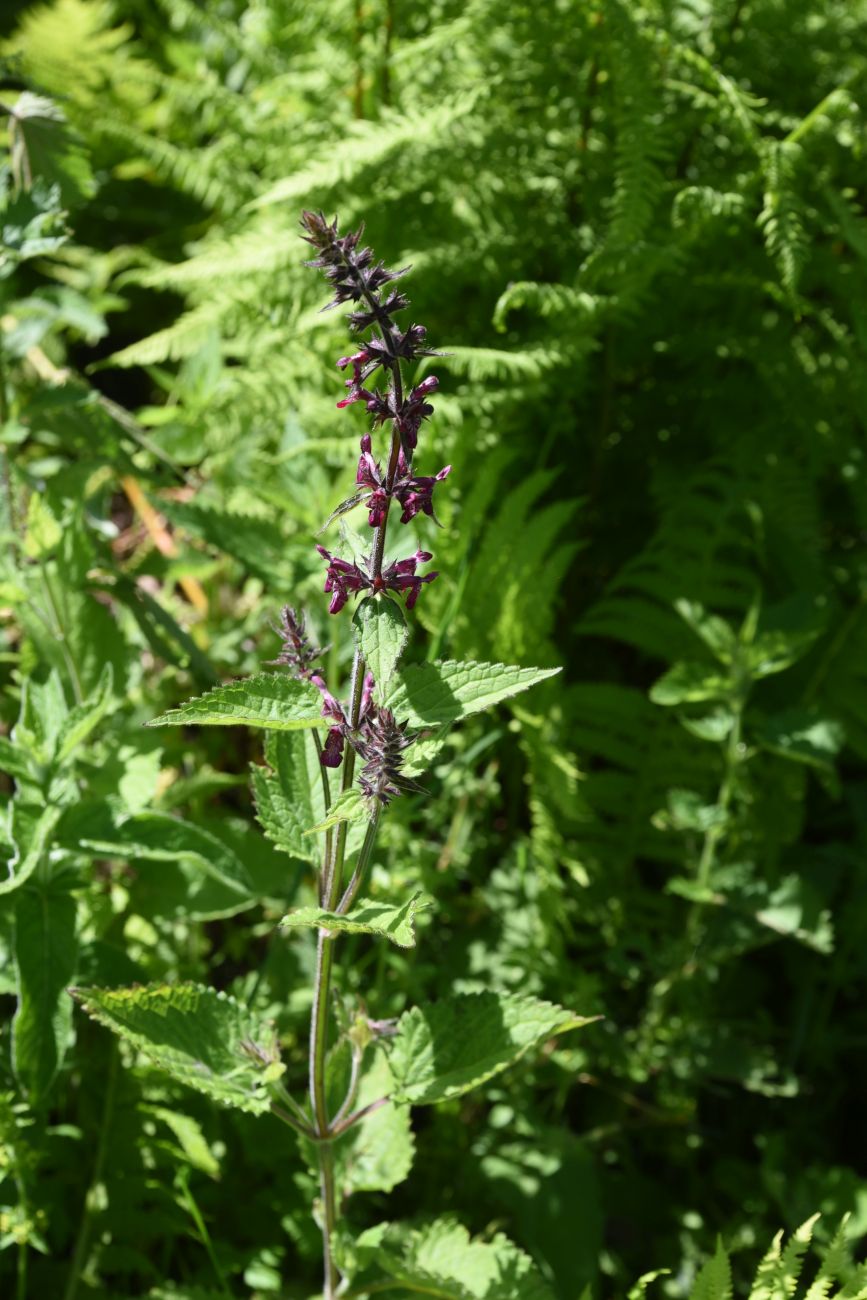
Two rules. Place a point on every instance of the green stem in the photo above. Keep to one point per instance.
(352, 1090)
(288, 1118)
(715, 833)
(365, 851)
(319, 1013)
(60, 636)
(326, 796)
(4, 420)
(196, 1215)
(82, 1240)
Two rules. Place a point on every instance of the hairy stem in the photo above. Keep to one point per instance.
(359, 1115)
(365, 851)
(352, 1090)
(326, 796)
(319, 1013)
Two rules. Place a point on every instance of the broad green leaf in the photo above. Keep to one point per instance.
(43, 147)
(714, 726)
(162, 838)
(349, 806)
(688, 887)
(803, 736)
(377, 1153)
(720, 638)
(774, 652)
(22, 867)
(290, 796)
(794, 908)
(43, 533)
(686, 683)
(278, 815)
(190, 1138)
(453, 1045)
(687, 811)
(381, 633)
(45, 953)
(81, 720)
(267, 700)
(714, 1282)
(43, 711)
(434, 694)
(15, 761)
(441, 1259)
(199, 1036)
(387, 919)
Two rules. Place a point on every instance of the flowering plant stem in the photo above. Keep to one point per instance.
(333, 875)
(362, 727)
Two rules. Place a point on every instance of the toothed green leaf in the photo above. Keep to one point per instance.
(438, 693)
(45, 952)
(441, 1259)
(268, 700)
(381, 633)
(387, 919)
(453, 1045)
(159, 837)
(288, 793)
(347, 807)
(195, 1034)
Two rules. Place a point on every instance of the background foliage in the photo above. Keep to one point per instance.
(638, 231)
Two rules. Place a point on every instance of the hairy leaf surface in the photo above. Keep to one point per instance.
(390, 920)
(453, 1045)
(267, 700)
(438, 693)
(199, 1036)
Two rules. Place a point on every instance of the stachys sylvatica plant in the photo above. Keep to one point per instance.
(336, 781)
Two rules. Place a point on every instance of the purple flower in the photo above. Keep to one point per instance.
(345, 578)
(342, 580)
(296, 653)
(415, 409)
(340, 730)
(350, 270)
(415, 493)
(381, 742)
(369, 475)
(402, 576)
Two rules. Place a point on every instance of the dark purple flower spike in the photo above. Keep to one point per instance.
(355, 276)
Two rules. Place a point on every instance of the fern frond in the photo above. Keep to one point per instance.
(781, 218)
(548, 301)
(480, 364)
(714, 1282)
(695, 205)
(194, 171)
(778, 1274)
(371, 144)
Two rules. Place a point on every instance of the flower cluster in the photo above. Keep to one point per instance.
(296, 653)
(381, 743)
(377, 738)
(356, 276)
(345, 577)
(414, 492)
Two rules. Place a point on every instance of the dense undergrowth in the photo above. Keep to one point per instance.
(637, 232)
